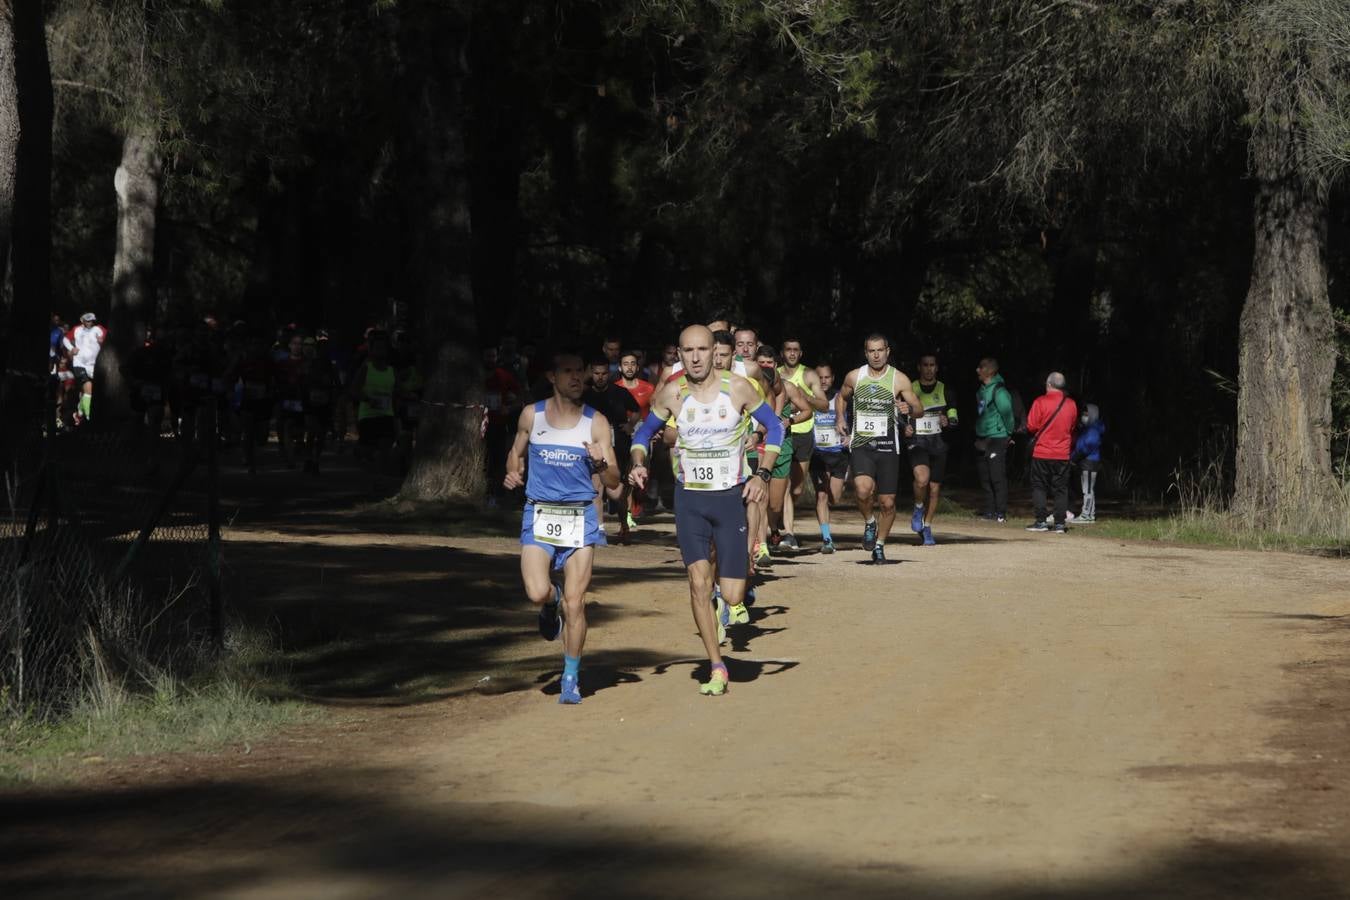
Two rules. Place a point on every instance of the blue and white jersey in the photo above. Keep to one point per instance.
(827, 431)
(559, 465)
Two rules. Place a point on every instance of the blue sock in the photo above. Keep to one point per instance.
(571, 665)
(825, 532)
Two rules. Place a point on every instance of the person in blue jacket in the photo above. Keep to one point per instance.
(1087, 452)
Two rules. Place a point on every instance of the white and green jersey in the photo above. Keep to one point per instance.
(710, 439)
(874, 409)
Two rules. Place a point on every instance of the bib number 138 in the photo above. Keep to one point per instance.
(709, 470)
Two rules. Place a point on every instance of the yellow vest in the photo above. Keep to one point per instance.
(798, 378)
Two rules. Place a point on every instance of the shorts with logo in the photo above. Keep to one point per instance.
(879, 462)
(594, 537)
(705, 519)
(930, 451)
(825, 466)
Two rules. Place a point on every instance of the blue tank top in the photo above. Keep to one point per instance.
(559, 465)
(827, 435)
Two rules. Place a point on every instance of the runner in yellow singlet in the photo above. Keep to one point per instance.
(803, 429)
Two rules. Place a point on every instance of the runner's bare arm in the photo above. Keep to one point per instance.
(601, 449)
(841, 422)
(905, 391)
(515, 457)
(816, 393)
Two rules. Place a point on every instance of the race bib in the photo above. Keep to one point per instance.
(869, 424)
(826, 436)
(319, 397)
(292, 406)
(710, 470)
(150, 393)
(380, 404)
(928, 425)
(560, 526)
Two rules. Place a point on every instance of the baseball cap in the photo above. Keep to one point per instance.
(88, 317)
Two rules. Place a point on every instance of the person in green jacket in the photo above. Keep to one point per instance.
(994, 425)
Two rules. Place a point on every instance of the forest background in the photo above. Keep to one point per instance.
(1144, 195)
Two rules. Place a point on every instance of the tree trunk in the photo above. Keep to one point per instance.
(1286, 355)
(448, 462)
(137, 185)
(31, 241)
(9, 134)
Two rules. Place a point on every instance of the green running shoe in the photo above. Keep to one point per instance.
(716, 685)
(740, 615)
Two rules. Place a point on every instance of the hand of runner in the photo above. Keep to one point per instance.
(512, 481)
(597, 455)
(637, 476)
(754, 489)
(909, 431)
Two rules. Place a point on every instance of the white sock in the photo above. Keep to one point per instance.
(871, 520)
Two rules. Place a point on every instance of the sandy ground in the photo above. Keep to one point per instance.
(1004, 715)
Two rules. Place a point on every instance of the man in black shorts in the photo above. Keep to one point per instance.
(621, 410)
(876, 390)
(927, 446)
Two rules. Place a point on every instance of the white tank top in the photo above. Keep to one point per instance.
(709, 440)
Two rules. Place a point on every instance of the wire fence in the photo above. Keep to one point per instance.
(110, 563)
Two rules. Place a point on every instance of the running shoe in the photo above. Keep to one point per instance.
(550, 616)
(878, 554)
(571, 691)
(789, 542)
(716, 685)
(827, 547)
(928, 536)
(632, 523)
(870, 535)
(723, 610)
(916, 520)
(762, 557)
(1087, 520)
(1000, 519)
(1038, 526)
(1060, 528)
(749, 596)
(739, 615)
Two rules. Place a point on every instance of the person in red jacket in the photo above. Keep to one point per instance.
(1050, 424)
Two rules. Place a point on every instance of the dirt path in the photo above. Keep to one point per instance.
(1003, 715)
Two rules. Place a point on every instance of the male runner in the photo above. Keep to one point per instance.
(876, 390)
(927, 447)
(713, 485)
(803, 429)
(829, 462)
(83, 343)
(621, 410)
(792, 405)
(629, 367)
(566, 442)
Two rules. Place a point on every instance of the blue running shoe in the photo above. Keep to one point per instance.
(550, 616)
(571, 691)
(879, 555)
(916, 520)
(928, 536)
(749, 596)
(870, 535)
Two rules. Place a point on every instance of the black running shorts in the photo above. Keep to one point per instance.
(825, 466)
(930, 453)
(704, 519)
(880, 465)
(803, 444)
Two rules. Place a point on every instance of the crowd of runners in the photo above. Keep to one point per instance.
(250, 386)
(738, 429)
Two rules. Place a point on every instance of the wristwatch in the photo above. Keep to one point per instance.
(764, 473)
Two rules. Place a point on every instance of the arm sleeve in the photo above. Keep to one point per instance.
(647, 430)
(773, 426)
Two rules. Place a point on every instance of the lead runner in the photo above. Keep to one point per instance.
(712, 411)
(565, 441)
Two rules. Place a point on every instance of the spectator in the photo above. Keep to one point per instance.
(1087, 452)
(613, 350)
(1050, 424)
(994, 424)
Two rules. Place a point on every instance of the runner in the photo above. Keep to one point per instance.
(629, 367)
(791, 404)
(803, 429)
(373, 391)
(927, 447)
(567, 442)
(621, 411)
(875, 389)
(829, 462)
(709, 408)
(84, 342)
